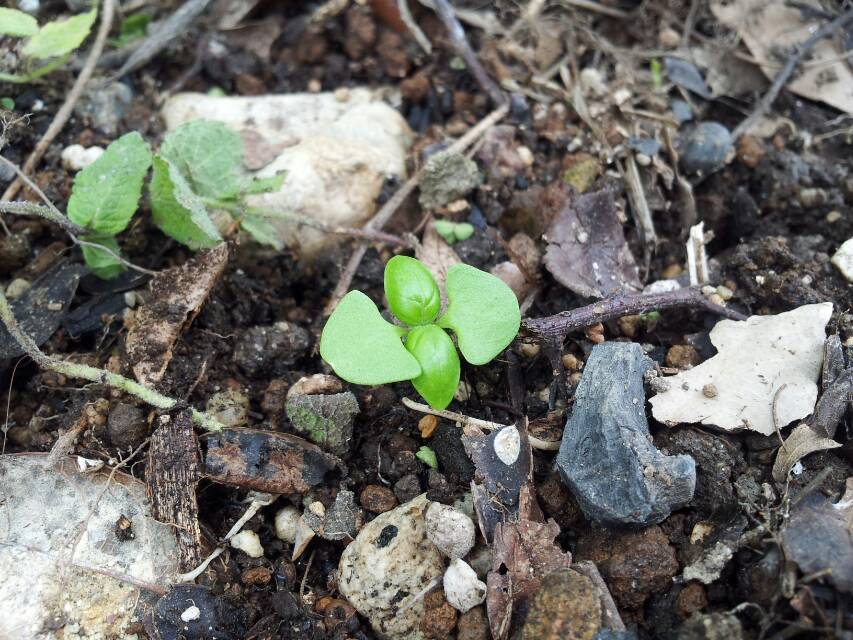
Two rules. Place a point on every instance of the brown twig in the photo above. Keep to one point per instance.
(558, 326)
(463, 48)
(108, 9)
(784, 75)
(381, 218)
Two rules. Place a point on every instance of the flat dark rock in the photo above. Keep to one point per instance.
(607, 457)
(40, 310)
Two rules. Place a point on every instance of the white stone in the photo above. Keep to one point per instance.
(662, 286)
(287, 523)
(391, 556)
(337, 153)
(249, 543)
(462, 588)
(450, 530)
(191, 613)
(508, 445)
(17, 288)
(843, 259)
(761, 362)
(76, 156)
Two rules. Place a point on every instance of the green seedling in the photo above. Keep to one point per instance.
(47, 47)
(197, 172)
(427, 456)
(453, 232)
(363, 348)
(132, 28)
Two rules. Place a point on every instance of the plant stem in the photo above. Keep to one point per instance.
(93, 374)
(23, 208)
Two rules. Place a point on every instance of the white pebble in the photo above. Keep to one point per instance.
(508, 445)
(191, 613)
(76, 157)
(843, 259)
(462, 588)
(287, 523)
(450, 530)
(249, 543)
(662, 286)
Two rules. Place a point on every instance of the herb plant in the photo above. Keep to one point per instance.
(363, 348)
(198, 171)
(47, 47)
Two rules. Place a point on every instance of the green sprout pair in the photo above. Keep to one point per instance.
(363, 348)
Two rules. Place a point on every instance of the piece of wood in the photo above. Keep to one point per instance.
(173, 472)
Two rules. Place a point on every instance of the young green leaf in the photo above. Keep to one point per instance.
(435, 353)
(208, 155)
(60, 36)
(102, 263)
(178, 211)
(411, 290)
(106, 193)
(444, 228)
(428, 457)
(262, 230)
(264, 185)
(482, 311)
(463, 231)
(17, 23)
(132, 28)
(362, 347)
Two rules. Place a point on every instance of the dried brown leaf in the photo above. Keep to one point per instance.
(524, 553)
(587, 251)
(802, 441)
(175, 297)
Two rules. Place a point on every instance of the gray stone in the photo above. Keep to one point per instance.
(713, 626)
(706, 148)
(447, 177)
(270, 350)
(104, 107)
(326, 420)
(607, 458)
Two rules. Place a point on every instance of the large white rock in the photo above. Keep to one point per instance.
(385, 570)
(337, 149)
(843, 259)
(759, 359)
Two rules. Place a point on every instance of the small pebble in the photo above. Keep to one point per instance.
(669, 38)
(473, 625)
(427, 425)
(17, 288)
(750, 151)
(706, 148)
(377, 499)
(191, 613)
(843, 260)
(76, 157)
(529, 350)
(508, 445)
(439, 616)
(287, 523)
(462, 588)
(229, 407)
(682, 356)
(833, 216)
(709, 391)
(571, 362)
(642, 159)
(249, 543)
(450, 530)
(407, 488)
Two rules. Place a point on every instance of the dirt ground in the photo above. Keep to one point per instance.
(775, 212)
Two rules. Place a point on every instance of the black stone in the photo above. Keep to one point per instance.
(607, 458)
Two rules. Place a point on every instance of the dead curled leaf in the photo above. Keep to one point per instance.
(175, 297)
(587, 251)
(818, 537)
(802, 441)
(524, 553)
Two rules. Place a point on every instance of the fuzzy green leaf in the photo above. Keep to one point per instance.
(178, 211)
(436, 354)
(17, 23)
(103, 264)
(362, 347)
(264, 185)
(60, 36)
(106, 193)
(482, 311)
(262, 230)
(411, 290)
(208, 155)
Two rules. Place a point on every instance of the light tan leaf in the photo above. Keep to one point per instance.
(801, 442)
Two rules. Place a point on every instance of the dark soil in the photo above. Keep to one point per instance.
(774, 224)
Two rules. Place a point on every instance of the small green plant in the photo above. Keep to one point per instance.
(132, 28)
(47, 47)
(363, 348)
(453, 232)
(197, 171)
